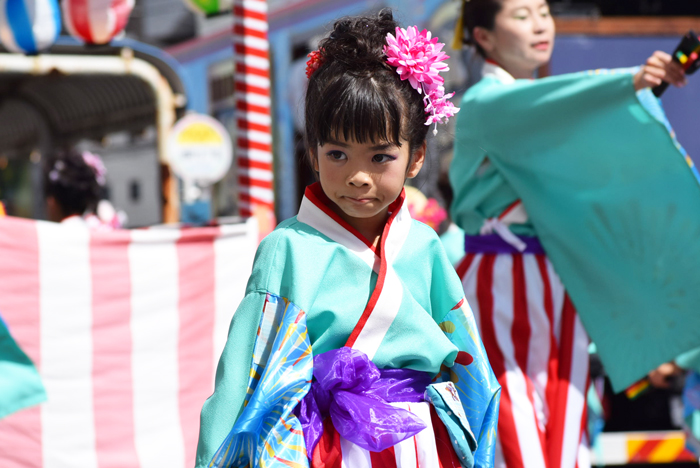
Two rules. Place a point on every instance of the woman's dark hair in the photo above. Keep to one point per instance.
(356, 94)
(481, 13)
(71, 182)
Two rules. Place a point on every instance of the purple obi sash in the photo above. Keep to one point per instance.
(494, 244)
(355, 394)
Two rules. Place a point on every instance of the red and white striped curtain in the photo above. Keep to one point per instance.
(253, 148)
(125, 329)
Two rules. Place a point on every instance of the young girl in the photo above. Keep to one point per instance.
(581, 167)
(354, 327)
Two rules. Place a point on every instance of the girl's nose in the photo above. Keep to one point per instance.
(359, 178)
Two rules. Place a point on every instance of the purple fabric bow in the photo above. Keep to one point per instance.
(350, 389)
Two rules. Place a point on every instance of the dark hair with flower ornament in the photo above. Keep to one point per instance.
(75, 180)
(362, 88)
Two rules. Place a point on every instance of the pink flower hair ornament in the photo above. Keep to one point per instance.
(96, 165)
(418, 58)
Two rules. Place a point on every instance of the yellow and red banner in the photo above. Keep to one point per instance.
(620, 448)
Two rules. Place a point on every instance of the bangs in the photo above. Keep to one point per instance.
(359, 112)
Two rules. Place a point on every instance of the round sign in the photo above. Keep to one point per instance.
(199, 149)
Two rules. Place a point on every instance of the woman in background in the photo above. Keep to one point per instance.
(530, 183)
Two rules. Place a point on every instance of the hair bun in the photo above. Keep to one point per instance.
(339, 28)
(358, 42)
(385, 14)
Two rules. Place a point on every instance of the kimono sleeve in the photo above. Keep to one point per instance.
(689, 360)
(222, 408)
(516, 115)
(613, 200)
(476, 384)
(253, 423)
(20, 384)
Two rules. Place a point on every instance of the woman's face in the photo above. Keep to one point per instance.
(522, 38)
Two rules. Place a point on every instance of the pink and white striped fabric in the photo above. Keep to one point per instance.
(253, 148)
(125, 328)
(96, 21)
(538, 349)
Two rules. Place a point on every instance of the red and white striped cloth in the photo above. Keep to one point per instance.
(430, 448)
(253, 148)
(538, 349)
(125, 328)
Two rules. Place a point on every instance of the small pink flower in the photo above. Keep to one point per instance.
(438, 105)
(97, 165)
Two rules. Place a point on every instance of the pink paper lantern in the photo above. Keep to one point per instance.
(96, 21)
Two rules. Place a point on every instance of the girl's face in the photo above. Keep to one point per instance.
(363, 179)
(522, 38)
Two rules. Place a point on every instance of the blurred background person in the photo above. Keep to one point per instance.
(73, 189)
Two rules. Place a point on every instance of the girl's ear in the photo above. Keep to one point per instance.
(416, 162)
(313, 157)
(484, 38)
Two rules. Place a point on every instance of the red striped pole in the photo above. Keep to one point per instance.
(253, 146)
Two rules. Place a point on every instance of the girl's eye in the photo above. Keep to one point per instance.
(382, 158)
(336, 155)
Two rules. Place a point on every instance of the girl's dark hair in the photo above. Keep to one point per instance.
(71, 182)
(356, 94)
(481, 13)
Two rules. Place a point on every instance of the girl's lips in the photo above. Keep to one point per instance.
(359, 201)
(544, 45)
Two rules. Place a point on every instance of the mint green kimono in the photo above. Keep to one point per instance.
(330, 281)
(611, 195)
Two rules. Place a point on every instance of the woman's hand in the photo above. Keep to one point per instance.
(658, 68)
(662, 375)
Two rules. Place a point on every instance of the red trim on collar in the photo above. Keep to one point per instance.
(317, 196)
(394, 208)
(493, 62)
(510, 208)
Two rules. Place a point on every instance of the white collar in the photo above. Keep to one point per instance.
(495, 71)
(386, 298)
(74, 220)
(312, 212)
